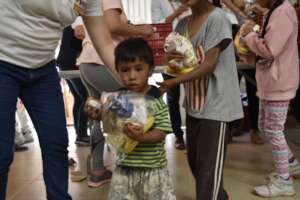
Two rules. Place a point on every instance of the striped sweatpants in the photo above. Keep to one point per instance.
(206, 150)
(271, 120)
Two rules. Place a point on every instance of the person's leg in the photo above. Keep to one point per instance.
(253, 103)
(19, 137)
(123, 184)
(157, 184)
(173, 96)
(80, 95)
(275, 117)
(191, 142)
(75, 106)
(23, 121)
(206, 156)
(43, 99)
(80, 119)
(9, 91)
(275, 113)
(97, 147)
(98, 174)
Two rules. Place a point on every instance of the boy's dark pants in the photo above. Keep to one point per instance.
(206, 149)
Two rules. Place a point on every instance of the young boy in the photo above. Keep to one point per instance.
(143, 173)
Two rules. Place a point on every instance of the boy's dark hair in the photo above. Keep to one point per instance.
(134, 48)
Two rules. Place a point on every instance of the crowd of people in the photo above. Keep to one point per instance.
(97, 38)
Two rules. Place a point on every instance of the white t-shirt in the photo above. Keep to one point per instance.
(31, 29)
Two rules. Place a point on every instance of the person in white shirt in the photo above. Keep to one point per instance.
(30, 32)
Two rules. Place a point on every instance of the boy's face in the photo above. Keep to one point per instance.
(134, 75)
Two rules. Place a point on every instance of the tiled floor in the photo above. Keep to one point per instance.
(246, 166)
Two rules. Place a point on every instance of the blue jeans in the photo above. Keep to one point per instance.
(40, 91)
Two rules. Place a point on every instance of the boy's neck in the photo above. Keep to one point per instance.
(146, 90)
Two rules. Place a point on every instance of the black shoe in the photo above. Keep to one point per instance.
(20, 148)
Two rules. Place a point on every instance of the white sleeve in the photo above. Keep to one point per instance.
(77, 22)
(166, 8)
(160, 10)
(92, 7)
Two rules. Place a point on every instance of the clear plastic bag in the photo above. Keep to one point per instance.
(178, 43)
(121, 108)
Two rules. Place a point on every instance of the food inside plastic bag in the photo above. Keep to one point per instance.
(120, 109)
(240, 45)
(179, 43)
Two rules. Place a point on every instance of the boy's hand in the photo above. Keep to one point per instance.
(93, 108)
(133, 131)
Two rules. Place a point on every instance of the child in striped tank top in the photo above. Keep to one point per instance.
(212, 95)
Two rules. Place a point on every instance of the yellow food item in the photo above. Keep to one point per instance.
(176, 42)
(239, 46)
(125, 144)
(179, 71)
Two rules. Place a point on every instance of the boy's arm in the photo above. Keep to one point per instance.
(207, 67)
(152, 136)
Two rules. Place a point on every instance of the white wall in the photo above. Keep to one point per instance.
(138, 11)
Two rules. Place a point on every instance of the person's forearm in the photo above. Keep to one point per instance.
(126, 30)
(101, 39)
(205, 68)
(172, 17)
(152, 136)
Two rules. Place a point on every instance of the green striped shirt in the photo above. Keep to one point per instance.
(150, 155)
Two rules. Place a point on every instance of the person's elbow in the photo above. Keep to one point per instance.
(114, 27)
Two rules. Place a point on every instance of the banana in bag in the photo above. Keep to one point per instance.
(240, 45)
(176, 42)
(121, 108)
